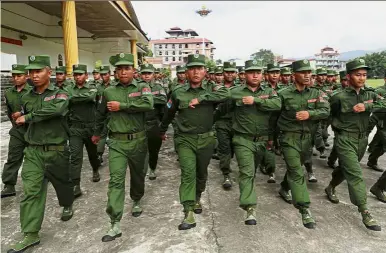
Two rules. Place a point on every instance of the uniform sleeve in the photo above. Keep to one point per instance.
(101, 115)
(377, 105)
(270, 104)
(322, 108)
(218, 94)
(89, 96)
(55, 107)
(9, 109)
(143, 104)
(159, 96)
(171, 109)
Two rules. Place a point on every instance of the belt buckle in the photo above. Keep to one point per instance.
(130, 137)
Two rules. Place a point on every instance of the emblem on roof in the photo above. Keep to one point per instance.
(121, 55)
(32, 58)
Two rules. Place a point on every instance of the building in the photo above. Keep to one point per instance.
(70, 32)
(175, 48)
(329, 58)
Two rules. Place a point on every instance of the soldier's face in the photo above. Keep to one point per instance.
(60, 77)
(136, 75)
(181, 76)
(330, 78)
(125, 74)
(147, 77)
(242, 76)
(357, 78)
(196, 74)
(266, 76)
(19, 79)
(273, 76)
(321, 78)
(285, 78)
(80, 79)
(213, 77)
(106, 77)
(253, 77)
(97, 76)
(219, 78)
(40, 77)
(303, 78)
(229, 76)
(344, 83)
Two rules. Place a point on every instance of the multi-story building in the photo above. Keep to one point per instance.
(329, 58)
(175, 48)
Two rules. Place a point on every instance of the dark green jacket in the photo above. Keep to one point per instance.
(82, 105)
(159, 97)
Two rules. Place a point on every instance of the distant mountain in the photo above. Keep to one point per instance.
(345, 56)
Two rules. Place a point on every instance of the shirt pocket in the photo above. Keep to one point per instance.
(183, 104)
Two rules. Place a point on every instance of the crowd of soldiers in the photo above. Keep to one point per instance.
(253, 113)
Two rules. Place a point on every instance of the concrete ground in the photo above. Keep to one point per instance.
(220, 228)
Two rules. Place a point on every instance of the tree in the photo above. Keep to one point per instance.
(148, 52)
(265, 55)
(377, 63)
(209, 63)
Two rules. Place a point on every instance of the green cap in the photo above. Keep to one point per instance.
(181, 69)
(219, 70)
(230, 66)
(356, 64)
(79, 69)
(342, 75)
(60, 69)
(96, 70)
(157, 70)
(253, 65)
(104, 69)
(211, 70)
(336, 73)
(241, 70)
(273, 67)
(19, 69)
(330, 72)
(38, 62)
(147, 68)
(313, 72)
(122, 59)
(301, 65)
(195, 60)
(285, 71)
(321, 71)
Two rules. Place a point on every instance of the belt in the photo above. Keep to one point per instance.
(126, 136)
(204, 135)
(352, 135)
(254, 138)
(50, 147)
(302, 135)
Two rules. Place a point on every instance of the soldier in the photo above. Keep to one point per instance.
(313, 77)
(123, 106)
(195, 103)
(285, 76)
(61, 81)
(157, 74)
(16, 142)
(301, 107)
(241, 76)
(223, 127)
(350, 110)
(153, 119)
(252, 105)
(180, 80)
(46, 158)
(106, 82)
(212, 75)
(219, 75)
(97, 77)
(82, 109)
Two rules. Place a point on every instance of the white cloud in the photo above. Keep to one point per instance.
(292, 29)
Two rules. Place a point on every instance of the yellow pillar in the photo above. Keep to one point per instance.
(70, 35)
(133, 47)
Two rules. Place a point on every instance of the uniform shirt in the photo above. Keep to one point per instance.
(14, 103)
(223, 113)
(293, 101)
(65, 84)
(196, 120)
(45, 115)
(135, 99)
(159, 97)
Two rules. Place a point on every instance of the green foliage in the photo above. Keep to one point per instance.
(209, 63)
(265, 55)
(377, 63)
(148, 53)
(98, 63)
(166, 71)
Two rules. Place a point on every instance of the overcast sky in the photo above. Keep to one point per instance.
(291, 29)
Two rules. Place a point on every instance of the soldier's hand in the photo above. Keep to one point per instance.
(163, 136)
(113, 106)
(16, 115)
(359, 107)
(249, 100)
(95, 139)
(193, 102)
(302, 115)
(20, 120)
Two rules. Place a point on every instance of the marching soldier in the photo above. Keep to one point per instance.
(219, 75)
(61, 82)
(195, 103)
(97, 77)
(180, 80)
(285, 76)
(17, 143)
(241, 76)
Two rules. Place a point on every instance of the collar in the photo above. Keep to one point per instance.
(133, 82)
(260, 88)
(26, 86)
(85, 85)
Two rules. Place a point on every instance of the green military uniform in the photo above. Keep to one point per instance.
(127, 142)
(66, 83)
(285, 71)
(82, 109)
(296, 138)
(153, 119)
(350, 130)
(96, 83)
(194, 139)
(238, 81)
(46, 158)
(16, 142)
(172, 85)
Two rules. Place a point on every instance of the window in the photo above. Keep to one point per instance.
(186, 45)
(180, 45)
(174, 58)
(166, 58)
(174, 52)
(198, 45)
(179, 52)
(60, 60)
(159, 52)
(173, 46)
(206, 45)
(197, 52)
(160, 46)
(180, 58)
(166, 53)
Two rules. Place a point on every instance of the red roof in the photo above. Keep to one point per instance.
(180, 41)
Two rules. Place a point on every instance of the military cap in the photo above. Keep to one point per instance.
(230, 66)
(147, 68)
(38, 62)
(356, 64)
(313, 72)
(122, 59)
(301, 65)
(330, 72)
(211, 70)
(96, 70)
(157, 70)
(181, 69)
(272, 67)
(79, 69)
(285, 71)
(60, 69)
(19, 69)
(104, 69)
(195, 60)
(321, 71)
(342, 75)
(241, 70)
(219, 70)
(336, 73)
(253, 65)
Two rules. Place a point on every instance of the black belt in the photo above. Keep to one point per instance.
(126, 136)
(50, 147)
